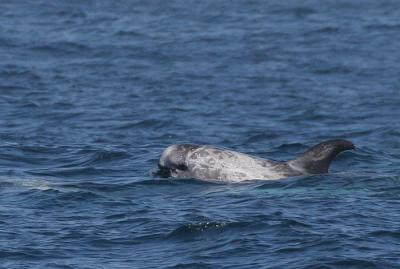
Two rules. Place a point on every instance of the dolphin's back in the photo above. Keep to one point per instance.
(208, 162)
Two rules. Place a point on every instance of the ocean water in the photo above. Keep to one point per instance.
(91, 92)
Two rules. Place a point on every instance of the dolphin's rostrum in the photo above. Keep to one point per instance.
(213, 163)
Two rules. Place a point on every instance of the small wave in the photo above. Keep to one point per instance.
(193, 229)
(105, 156)
(117, 186)
(169, 182)
(78, 195)
(96, 156)
(143, 124)
(190, 230)
(293, 223)
(17, 72)
(29, 104)
(39, 149)
(78, 171)
(37, 184)
(273, 184)
(353, 263)
(61, 116)
(191, 265)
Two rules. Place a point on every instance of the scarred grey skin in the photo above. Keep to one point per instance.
(212, 163)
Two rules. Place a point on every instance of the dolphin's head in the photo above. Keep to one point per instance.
(173, 159)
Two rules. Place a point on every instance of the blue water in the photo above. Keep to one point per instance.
(91, 92)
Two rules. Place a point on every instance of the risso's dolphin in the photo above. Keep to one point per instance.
(212, 163)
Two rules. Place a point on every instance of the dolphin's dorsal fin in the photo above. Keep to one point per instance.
(317, 159)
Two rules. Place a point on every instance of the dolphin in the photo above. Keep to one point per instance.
(206, 162)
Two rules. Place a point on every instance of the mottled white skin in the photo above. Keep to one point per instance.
(208, 162)
(212, 163)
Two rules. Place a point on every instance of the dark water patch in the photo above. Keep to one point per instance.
(78, 196)
(19, 158)
(63, 105)
(59, 265)
(60, 117)
(26, 254)
(22, 79)
(383, 27)
(129, 33)
(69, 12)
(338, 70)
(353, 263)
(292, 147)
(61, 48)
(259, 138)
(191, 230)
(386, 234)
(5, 184)
(40, 149)
(327, 30)
(298, 11)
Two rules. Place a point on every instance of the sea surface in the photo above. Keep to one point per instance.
(91, 92)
